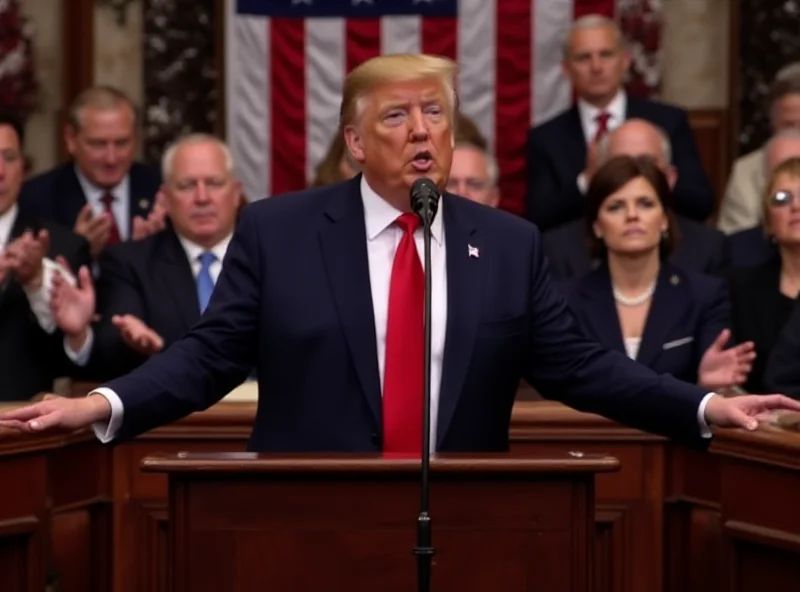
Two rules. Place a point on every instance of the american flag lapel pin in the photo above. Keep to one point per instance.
(473, 251)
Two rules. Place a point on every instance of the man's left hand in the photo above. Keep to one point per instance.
(746, 411)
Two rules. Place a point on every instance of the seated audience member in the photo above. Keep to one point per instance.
(474, 175)
(334, 166)
(101, 191)
(560, 152)
(152, 291)
(742, 206)
(762, 296)
(467, 132)
(701, 248)
(751, 247)
(666, 318)
(31, 356)
(783, 365)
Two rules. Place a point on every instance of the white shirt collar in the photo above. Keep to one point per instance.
(379, 214)
(616, 109)
(193, 250)
(93, 193)
(7, 225)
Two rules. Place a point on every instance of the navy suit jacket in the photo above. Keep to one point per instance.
(782, 374)
(57, 194)
(687, 313)
(151, 279)
(294, 300)
(556, 155)
(751, 247)
(30, 358)
(700, 248)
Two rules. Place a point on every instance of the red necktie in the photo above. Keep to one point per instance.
(113, 235)
(602, 125)
(403, 371)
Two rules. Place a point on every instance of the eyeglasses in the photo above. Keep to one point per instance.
(781, 198)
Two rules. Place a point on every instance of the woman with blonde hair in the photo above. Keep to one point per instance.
(763, 295)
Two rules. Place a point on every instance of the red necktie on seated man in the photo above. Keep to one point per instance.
(602, 125)
(113, 235)
(404, 363)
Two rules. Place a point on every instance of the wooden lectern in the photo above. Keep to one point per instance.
(248, 522)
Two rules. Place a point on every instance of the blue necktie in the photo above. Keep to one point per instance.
(205, 284)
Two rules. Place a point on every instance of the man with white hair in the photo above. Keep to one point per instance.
(699, 248)
(562, 150)
(474, 174)
(323, 290)
(742, 206)
(153, 290)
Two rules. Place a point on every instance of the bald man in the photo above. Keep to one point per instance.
(700, 248)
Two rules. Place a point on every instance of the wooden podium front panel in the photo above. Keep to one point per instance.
(298, 533)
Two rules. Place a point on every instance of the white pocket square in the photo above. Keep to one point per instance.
(678, 342)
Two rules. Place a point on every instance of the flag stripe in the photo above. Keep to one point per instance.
(248, 101)
(586, 7)
(325, 68)
(476, 58)
(363, 40)
(401, 34)
(513, 99)
(288, 116)
(551, 91)
(440, 36)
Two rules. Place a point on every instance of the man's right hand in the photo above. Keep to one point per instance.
(56, 412)
(138, 335)
(95, 229)
(73, 306)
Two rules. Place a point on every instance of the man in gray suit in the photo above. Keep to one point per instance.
(741, 208)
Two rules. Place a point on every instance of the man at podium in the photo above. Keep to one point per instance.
(323, 291)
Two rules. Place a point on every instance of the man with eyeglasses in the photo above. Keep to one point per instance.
(152, 291)
(474, 174)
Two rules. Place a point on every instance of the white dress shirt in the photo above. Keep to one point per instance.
(193, 251)
(383, 238)
(39, 299)
(588, 114)
(120, 206)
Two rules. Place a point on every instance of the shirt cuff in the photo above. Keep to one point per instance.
(107, 431)
(583, 184)
(80, 357)
(705, 430)
(39, 299)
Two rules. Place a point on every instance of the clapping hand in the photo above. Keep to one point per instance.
(138, 335)
(722, 368)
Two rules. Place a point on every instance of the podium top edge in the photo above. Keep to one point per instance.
(251, 462)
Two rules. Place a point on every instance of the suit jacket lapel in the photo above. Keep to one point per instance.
(70, 203)
(176, 274)
(599, 308)
(464, 299)
(667, 304)
(574, 141)
(139, 202)
(343, 240)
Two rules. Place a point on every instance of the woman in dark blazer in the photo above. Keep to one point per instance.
(763, 296)
(671, 320)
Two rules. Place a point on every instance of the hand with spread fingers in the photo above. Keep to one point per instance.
(25, 258)
(73, 304)
(722, 368)
(56, 412)
(95, 229)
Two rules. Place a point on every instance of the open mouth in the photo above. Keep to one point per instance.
(422, 161)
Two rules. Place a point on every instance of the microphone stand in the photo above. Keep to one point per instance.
(424, 551)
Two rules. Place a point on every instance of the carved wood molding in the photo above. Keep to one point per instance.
(17, 527)
(735, 530)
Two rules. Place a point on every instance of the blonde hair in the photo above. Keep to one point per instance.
(168, 159)
(791, 167)
(391, 68)
(101, 97)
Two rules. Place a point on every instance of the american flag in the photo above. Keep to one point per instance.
(286, 61)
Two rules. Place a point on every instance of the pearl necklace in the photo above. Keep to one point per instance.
(634, 300)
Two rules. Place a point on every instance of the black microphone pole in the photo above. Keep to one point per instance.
(424, 202)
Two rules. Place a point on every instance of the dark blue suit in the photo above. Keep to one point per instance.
(700, 248)
(57, 194)
(294, 300)
(687, 313)
(751, 247)
(556, 155)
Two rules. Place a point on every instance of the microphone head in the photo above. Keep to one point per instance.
(424, 196)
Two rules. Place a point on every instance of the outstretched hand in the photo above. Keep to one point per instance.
(56, 412)
(747, 410)
(722, 368)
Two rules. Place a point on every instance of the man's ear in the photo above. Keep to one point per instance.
(70, 138)
(354, 143)
(672, 176)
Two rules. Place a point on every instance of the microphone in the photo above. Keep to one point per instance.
(425, 203)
